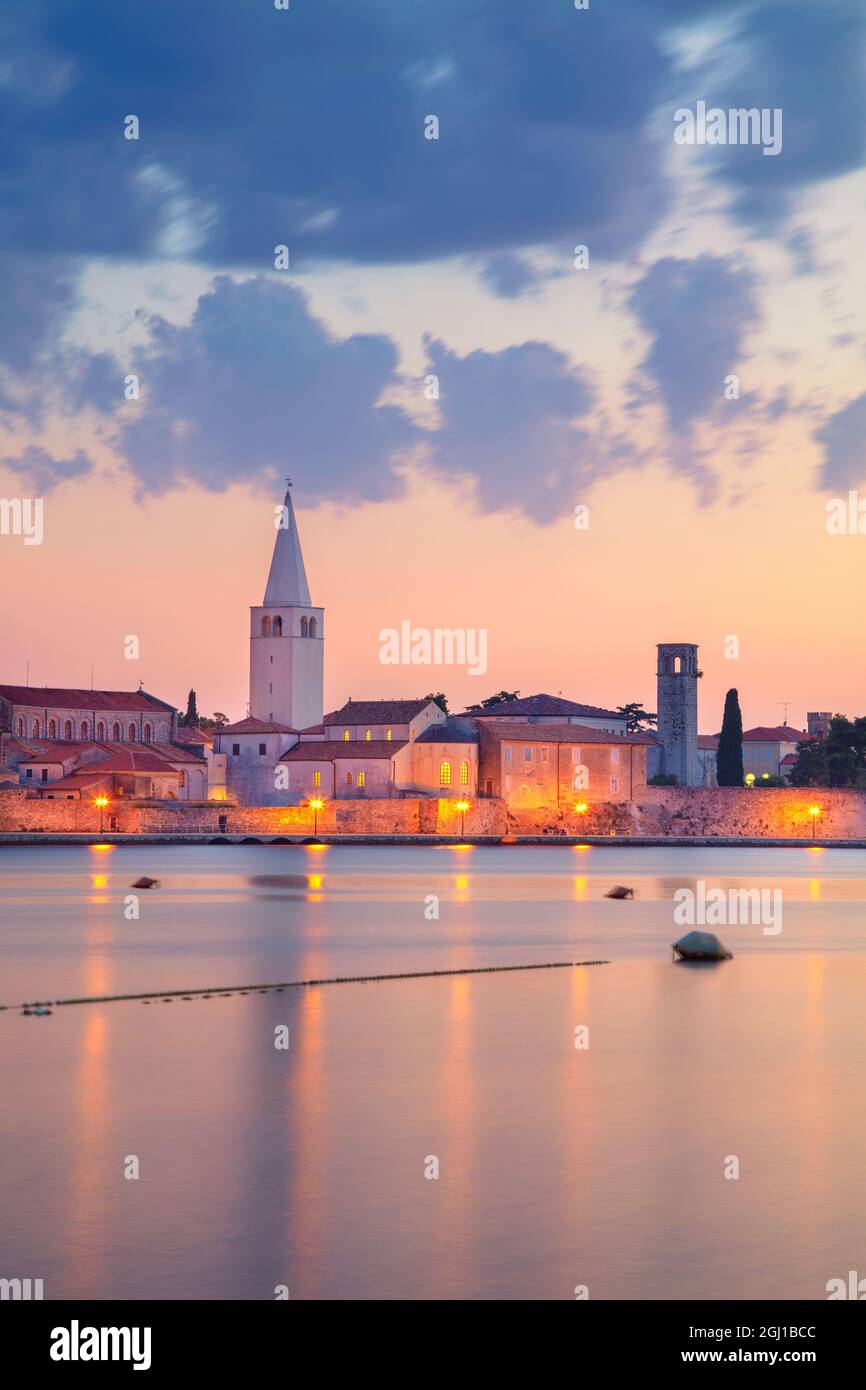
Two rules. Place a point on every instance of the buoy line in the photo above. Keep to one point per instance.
(298, 984)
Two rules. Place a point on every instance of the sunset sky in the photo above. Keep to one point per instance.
(559, 387)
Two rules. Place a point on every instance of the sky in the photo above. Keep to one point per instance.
(443, 375)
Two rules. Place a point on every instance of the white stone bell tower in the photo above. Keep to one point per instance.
(287, 636)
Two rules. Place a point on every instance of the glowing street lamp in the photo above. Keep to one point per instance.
(101, 802)
(750, 779)
(814, 812)
(581, 808)
(462, 807)
(317, 803)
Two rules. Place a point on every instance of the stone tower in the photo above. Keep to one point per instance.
(677, 685)
(287, 637)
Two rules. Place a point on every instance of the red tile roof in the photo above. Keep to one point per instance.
(255, 726)
(542, 705)
(336, 749)
(376, 712)
(200, 737)
(710, 742)
(780, 733)
(558, 733)
(53, 697)
(789, 759)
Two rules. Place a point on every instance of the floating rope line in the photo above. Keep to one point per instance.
(222, 990)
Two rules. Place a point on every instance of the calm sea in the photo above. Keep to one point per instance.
(306, 1167)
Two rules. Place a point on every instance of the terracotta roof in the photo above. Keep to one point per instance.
(124, 758)
(542, 705)
(53, 697)
(56, 751)
(710, 742)
(75, 780)
(376, 712)
(780, 733)
(255, 726)
(336, 749)
(789, 759)
(197, 736)
(559, 733)
(313, 729)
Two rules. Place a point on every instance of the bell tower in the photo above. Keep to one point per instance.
(677, 695)
(287, 636)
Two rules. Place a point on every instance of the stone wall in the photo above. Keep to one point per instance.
(673, 811)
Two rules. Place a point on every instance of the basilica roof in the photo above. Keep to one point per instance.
(54, 697)
(377, 711)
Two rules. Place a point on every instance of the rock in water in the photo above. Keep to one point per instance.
(620, 892)
(700, 945)
(146, 883)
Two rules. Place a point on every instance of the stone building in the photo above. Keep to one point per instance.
(677, 679)
(531, 766)
(113, 716)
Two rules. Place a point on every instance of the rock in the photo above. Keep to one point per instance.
(146, 883)
(620, 892)
(700, 945)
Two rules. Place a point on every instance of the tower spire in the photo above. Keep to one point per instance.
(287, 579)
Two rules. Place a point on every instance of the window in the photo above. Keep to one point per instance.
(362, 777)
(19, 728)
(181, 778)
(52, 728)
(36, 728)
(236, 750)
(388, 735)
(148, 733)
(575, 755)
(348, 779)
(263, 748)
(317, 779)
(266, 627)
(614, 784)
(132, 733)
(527, 753)
(313, 627)
(270, 687)
(29, 772)
(85, 730)
(545, 754)
(445, 774)
(271, 660)
(115, 734)
(464, 774)
(368, 735)
(614, 755)
(100, 730)
(345, 735)
(45, 774)
(508, 753)
(67, 729)
(278, 627)
(305, 627)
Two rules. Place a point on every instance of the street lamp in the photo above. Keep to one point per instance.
(101, 802)
(581, 808)
(462, 807)
(814, 812)
(317, 803)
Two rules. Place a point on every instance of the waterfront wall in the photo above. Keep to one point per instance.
(669, 811)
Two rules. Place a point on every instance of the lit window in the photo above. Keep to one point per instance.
(464, 774)
(317, 779)
(368, 736)
(388, 735)
(361, 778)
(345, 735)
(445, 774)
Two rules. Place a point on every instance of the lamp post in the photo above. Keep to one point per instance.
(814, 812)
(101, 802)
(317, 803)
(462, 807)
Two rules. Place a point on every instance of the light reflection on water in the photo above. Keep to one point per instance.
(557, 1166)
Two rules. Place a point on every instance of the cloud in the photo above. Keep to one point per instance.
(843, 436)
(42, 472)
(697, 314)
(508, 276)
(515, 421)
(254, 386)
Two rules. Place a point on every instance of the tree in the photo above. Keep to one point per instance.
(500, 698)
(438, 699)
(190, 719)
(839, 760)
(220, 718)
(636, 717)
(810, 769)
(729, 758)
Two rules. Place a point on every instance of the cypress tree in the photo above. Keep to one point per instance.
(729, 758)
(190, 719)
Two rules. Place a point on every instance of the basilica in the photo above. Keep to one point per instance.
(542, 750)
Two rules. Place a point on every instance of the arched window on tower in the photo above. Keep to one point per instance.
(52, 728)
(116, 735)
(313, 627)
(266, 626)
(100, 731)
(148, 734)
(278, 627)
(67, 729)
(132, 733)
(678, 665)
(304, 626)
(445, 773)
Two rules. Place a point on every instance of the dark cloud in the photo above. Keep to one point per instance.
(843, 438)
(697, 314)
(41, 472)
(508, 276)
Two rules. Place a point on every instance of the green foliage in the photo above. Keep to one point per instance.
(190, 720)
(663, 779)
(839, 760)
(637, 717)
(729, 758)
(499, 698)
(438, 699)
